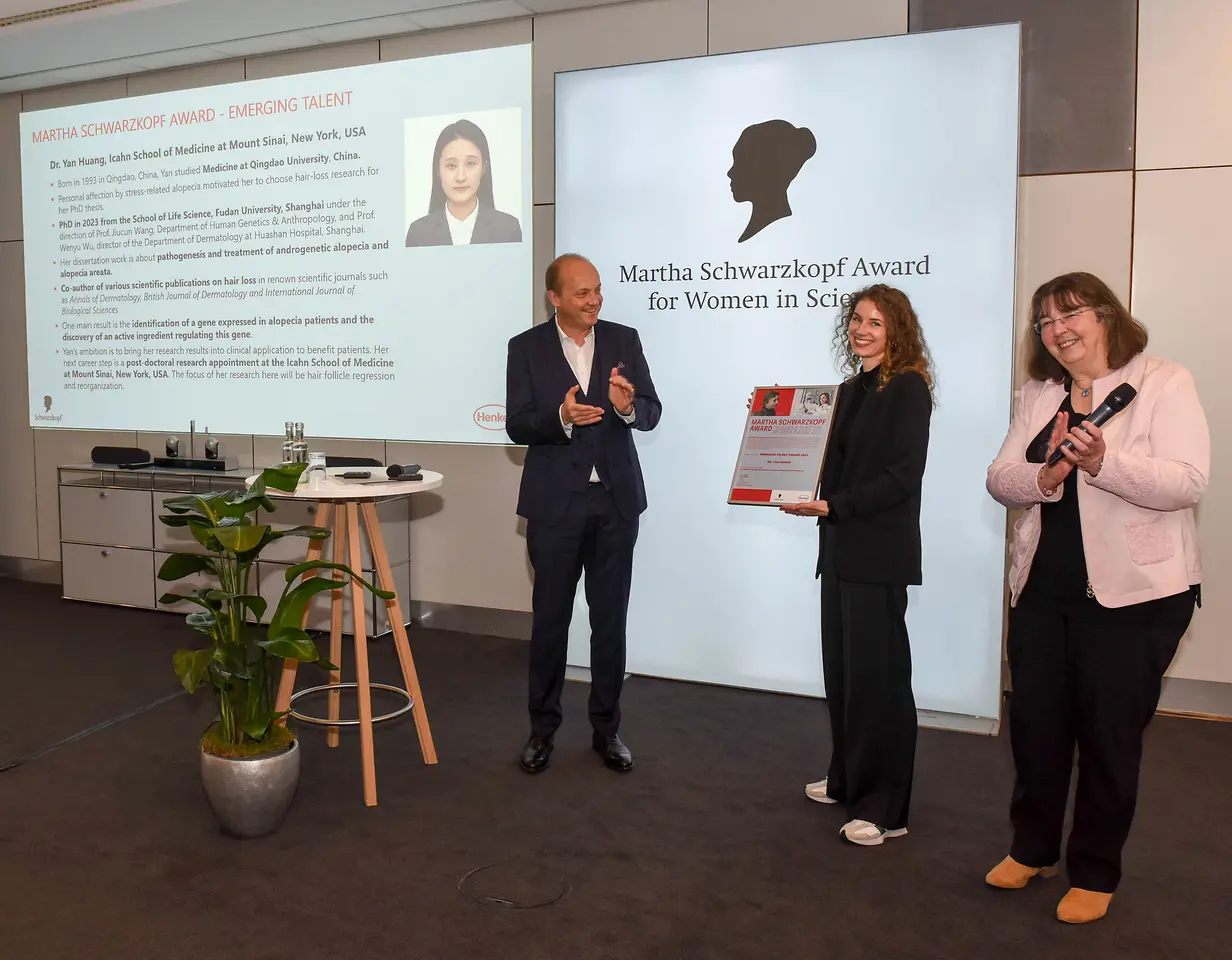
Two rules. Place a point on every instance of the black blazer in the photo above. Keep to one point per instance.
(875, 505)
(491, 226)
(538, 377)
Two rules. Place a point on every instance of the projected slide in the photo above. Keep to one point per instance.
(731, 203)
(350, 248)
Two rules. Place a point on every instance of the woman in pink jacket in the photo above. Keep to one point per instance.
(1103, 578)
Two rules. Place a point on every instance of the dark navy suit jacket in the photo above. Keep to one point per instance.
(538, 377)
(491, 226)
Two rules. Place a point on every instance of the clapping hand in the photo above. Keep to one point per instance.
(620, 392)
(578, 413)
(1089, 448)
(1050, 478)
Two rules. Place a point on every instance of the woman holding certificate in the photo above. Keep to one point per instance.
(868, 511)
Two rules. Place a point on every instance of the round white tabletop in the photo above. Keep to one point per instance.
(335, 489)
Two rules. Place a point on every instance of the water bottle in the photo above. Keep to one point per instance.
(288, 444)
(300, 446)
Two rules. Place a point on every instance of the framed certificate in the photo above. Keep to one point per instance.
(784, 445)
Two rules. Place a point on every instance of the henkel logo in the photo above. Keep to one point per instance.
(491, 416)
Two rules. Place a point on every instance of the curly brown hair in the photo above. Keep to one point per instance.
(906, 348)
(1126, 337)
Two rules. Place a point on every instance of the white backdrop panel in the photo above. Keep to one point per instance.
(915, 163)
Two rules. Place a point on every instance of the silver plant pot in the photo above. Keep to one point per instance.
(251, 795)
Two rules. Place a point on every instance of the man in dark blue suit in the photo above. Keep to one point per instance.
(577, 388)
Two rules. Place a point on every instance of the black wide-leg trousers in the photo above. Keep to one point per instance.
(1087, 677)
(592, 537)
(866, 663)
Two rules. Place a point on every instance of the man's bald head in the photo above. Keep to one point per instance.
(557, 267)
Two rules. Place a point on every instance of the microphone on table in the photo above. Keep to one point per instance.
(396, 471)
(1117, 401)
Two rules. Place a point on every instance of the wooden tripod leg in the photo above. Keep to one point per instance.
(286, 683)
(338, 554)
(397, 623)
(366, 749)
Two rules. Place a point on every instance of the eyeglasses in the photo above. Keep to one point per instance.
(1046, 322)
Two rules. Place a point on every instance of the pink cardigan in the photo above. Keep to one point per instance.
(1138, 528)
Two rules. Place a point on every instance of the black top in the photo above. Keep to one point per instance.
(1059, 568)
(491, 226)
(872, 476)
(853, 397)
(538, 377)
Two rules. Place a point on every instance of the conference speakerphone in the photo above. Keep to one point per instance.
(220, 464)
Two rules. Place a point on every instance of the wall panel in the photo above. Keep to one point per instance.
(1184, 80)
(1071, 222)
(1182, 249)
(10, 167)
(186, 78)
(1078, 65)
(740, 25)
(329, 57)
(18, 525)
(600, 37)
(506, 33)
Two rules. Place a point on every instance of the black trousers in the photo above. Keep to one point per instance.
(1084, 676)
(866, 662)
(594, 538)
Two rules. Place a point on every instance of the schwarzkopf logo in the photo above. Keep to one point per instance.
(765, 160)
(46, 417)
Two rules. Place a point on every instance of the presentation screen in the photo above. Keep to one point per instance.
(350, 248)
(730, 204)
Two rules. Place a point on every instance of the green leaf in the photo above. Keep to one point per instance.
(290, 611)
(312, 533)
(176, 520)
(291, 643)
(254, 603)
(190, 666)
(284, 477)
(327, 666)
(181, 565)
(202, 622)
(234, 660)
(204, 504)
(239, 538)
(191, 598)
(306, 565)
(246, 557)
(257, 726)
(203, 532)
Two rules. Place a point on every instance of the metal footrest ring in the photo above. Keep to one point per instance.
(325, 687)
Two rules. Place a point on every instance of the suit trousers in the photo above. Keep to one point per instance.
(592, 537)
(866, 663)
(1084, 676)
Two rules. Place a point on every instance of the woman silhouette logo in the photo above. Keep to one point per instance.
(765, 160)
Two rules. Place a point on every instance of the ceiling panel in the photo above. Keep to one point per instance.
(133, 36)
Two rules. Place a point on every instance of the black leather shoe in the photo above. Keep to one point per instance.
(536, 754)
(614, 753)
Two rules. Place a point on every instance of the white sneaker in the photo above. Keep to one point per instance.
(868, 834)
(817, 791)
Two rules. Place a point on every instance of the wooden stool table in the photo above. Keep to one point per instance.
(352, 505)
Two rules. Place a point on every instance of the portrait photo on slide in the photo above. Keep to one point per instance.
(464, 178)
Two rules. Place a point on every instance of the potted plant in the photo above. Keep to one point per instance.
(249, 759)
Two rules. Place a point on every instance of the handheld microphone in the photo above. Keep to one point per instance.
(396, 470)
(1117, 401)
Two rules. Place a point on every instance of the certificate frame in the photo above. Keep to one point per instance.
(784, 444)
